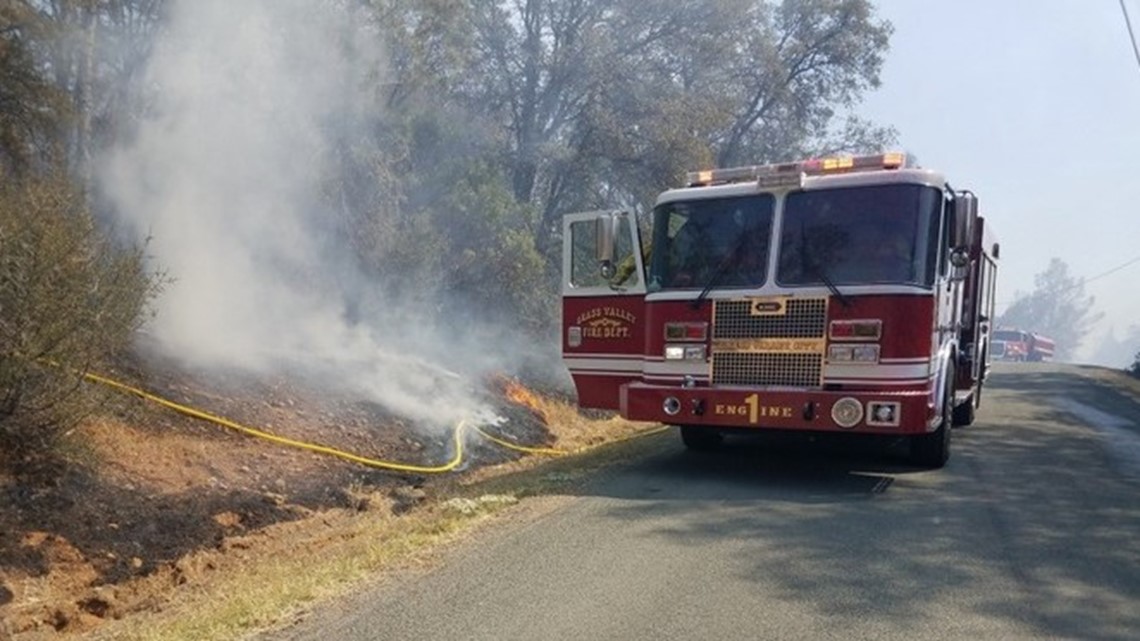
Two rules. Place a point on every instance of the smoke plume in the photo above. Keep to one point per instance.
(250, 102)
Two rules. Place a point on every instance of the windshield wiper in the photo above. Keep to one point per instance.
(822, 274)
(720, 269)
(806, 258)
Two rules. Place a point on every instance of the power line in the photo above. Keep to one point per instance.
(1131, 34)
(1113, 270)
(1080, 282)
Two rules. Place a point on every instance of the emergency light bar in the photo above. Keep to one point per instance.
(791, 173)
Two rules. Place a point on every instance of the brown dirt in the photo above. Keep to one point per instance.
(153, 503)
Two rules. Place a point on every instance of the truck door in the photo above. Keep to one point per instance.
(603, 305)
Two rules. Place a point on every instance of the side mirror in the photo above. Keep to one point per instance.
(606, 233)
(965, 212)
(959, 260)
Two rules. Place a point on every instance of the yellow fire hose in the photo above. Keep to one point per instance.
(450, 465)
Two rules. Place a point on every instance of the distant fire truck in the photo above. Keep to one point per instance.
(827, 295)
(1020, 345)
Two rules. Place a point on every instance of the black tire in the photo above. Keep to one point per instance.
(984, 374)
(964, 413)
(701, 439)
(933, 450)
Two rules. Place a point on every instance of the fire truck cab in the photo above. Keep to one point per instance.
(846, 294)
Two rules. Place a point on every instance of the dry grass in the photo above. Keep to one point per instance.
(255, 576)
(1116, 379)
(288, 567)
(572, 430)
(264, 589)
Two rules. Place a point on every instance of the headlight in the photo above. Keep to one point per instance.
(853, 354)
(685, 352)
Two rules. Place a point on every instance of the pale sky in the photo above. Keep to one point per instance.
(1035, 106)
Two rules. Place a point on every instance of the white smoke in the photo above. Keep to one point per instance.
(224, 176)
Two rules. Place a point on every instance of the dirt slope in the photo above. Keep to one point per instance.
(156, 502)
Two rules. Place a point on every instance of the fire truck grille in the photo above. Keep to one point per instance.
(769, 342)
(802, 318)
(798, 370)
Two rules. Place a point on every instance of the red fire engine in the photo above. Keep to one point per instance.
(1020, 345)
(828, 295)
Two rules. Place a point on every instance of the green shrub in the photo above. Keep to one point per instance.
(1134, 370)
(496, 268)
(70, 299)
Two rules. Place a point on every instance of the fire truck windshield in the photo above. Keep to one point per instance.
(861, 235)
(696, 241)
(1009, 335)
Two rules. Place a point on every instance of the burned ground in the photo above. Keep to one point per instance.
(108, 532)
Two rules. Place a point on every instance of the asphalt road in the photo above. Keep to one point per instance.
(1032, 531)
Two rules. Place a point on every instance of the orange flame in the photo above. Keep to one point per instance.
(520, 395)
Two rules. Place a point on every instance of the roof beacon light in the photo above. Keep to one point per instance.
(838, 164)
(894, 160)
(790, 174)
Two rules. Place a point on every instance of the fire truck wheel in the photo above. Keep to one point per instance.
(933, 450)
(964, 413)
(701, 439)
(985, 374)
